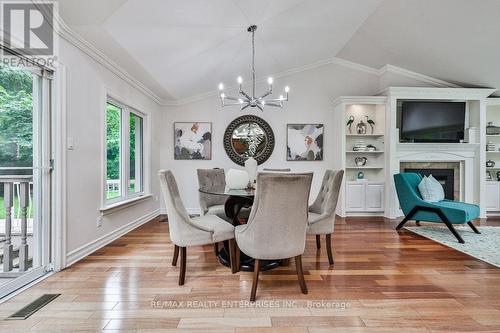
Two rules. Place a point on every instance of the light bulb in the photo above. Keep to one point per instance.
(270, 80)
(240, 101)
(239, 79)
(221, 86)
(287, 89)
(222, 95)
(281, 97)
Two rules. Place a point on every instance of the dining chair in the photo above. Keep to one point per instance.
(212, 204)
(321, 219)
(276, 228)
(277, 170)
(186, 231)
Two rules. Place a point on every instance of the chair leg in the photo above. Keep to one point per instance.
(329, 248)
(216, 249)
(318, 242)
(232, 256)
(417, 223)
(473, 227)
(454, 232)
(176, 255)
(182, 273)
(407, 217)
(256, 271)
(300, 274)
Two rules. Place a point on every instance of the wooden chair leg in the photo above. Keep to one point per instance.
(329, 248)
(417, 223)
(473, 227)
(318, 242)
(232, 256)
(176, 255)
(216, 249)
(300, 274)
(182, 273)
(255, 281)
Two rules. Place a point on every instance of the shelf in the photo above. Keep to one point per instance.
(491, 168)
(493, 135)
(366, 167)
(365, 152)
(493, 152)
(365, 135)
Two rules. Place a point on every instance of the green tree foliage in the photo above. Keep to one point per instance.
(113, 121)
(16, 116)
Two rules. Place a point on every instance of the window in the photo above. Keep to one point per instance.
(124, 152)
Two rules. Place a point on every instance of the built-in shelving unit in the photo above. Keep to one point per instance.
(492, 187)
(363, 196)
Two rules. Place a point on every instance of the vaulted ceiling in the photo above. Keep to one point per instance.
(180, 49)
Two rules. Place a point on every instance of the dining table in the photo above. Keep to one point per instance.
(238, 199)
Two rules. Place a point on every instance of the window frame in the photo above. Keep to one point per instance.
(126, 196)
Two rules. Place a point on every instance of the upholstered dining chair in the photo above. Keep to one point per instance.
(186, 231)
(322, 211)
(276, 228)
(212, 204)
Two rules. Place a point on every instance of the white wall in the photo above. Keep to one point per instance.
(86, 85)
(311, 101)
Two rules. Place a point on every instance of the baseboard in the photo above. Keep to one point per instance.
(95, 245)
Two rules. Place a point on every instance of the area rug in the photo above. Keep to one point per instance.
(484, 246)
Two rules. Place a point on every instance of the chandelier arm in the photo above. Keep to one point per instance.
(265, 95)
(244, 107)
(260, 107)
(232, 98)
(233, 103)
(274, 104)
(276, 100)
(245, 94)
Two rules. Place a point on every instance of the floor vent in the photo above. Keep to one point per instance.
(33, 307)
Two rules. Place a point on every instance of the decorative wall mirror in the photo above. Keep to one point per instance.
(249, 136)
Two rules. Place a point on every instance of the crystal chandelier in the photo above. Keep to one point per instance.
(245, 100)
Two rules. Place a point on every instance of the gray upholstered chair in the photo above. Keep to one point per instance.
(322, 211)
(212, 204)
(186, 231)
(276, 228)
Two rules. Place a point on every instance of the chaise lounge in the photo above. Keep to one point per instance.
(415, 208)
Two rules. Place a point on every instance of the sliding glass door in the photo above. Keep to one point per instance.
(25, 174)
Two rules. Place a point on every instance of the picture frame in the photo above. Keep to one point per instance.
(304, 142)
(192, 140)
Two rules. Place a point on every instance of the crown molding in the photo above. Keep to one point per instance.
(79, 42)
(417, 76)
(360, 100)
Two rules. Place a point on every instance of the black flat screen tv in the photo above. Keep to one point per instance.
(423, 121)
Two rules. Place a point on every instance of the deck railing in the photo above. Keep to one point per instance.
(22, 184)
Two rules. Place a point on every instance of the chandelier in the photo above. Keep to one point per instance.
(245, 100)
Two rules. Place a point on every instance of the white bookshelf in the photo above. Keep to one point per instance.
(492, 187)
(365, 197)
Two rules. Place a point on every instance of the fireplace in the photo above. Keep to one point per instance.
(445, 176)
(447, 173)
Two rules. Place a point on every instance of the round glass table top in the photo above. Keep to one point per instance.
(249, 192)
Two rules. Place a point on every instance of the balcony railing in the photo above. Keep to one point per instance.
(16, 187)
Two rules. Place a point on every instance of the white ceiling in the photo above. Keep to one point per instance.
(180, 49)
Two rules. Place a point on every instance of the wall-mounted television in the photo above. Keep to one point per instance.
(430, 121)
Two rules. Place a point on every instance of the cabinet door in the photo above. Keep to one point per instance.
(374, 197)
(492, 196)
(355, 196)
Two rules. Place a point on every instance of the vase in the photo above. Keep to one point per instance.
(251, 168)
(237, 179)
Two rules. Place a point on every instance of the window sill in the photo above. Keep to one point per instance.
(114, 207)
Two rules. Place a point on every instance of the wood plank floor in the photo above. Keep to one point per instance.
(382, 281)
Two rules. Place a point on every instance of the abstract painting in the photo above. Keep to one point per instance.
(193, 141)
(304, 142)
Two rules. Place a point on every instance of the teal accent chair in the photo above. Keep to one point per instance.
(415, 208)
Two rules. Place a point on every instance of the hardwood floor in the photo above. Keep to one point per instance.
(382, 281)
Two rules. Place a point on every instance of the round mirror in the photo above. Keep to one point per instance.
(248, 136)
